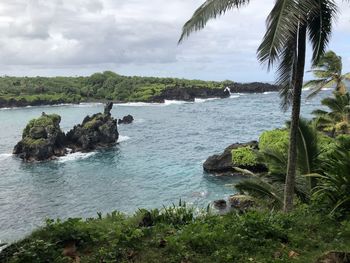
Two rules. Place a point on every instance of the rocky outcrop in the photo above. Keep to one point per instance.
(253, 87)
(221, 164)
(22, 102)
(98, 131)
(42, 139)
(190, 93)
(126, 119)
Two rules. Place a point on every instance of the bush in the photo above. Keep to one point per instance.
(276, 140)
(244, 156)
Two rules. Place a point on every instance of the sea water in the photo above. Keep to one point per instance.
(157, 162)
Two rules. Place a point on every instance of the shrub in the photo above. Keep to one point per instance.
(244, 156)
(276, 140)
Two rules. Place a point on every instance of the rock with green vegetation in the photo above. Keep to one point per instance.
(222, 164)
(42, 139)
(98, 131)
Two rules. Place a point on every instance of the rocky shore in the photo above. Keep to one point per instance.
(43, 139)
(172, 93)
(189, 94)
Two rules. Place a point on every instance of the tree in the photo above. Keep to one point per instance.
(337, 120)
(289, 24)
(328, 72)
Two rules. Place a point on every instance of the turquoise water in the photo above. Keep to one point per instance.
(157, 162)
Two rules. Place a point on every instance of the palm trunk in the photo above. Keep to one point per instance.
(292, 153)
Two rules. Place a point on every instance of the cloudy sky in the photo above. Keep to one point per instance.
(138, 37)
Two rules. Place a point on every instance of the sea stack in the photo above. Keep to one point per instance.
(43, 139)
(98, 131)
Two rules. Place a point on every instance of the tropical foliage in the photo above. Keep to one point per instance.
(269, 187)
(289, 25)
(155, 236)
(244, 156)
(328, 71)
(333, 185)
(99, 86)
(337, 120)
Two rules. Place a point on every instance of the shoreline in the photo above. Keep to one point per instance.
(22, 105)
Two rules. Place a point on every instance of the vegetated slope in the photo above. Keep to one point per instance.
(24, 91)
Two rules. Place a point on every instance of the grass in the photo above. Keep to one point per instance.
(178, 234)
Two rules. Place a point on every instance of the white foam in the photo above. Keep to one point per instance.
(123, 138)
(87, 104)
(75, 156)
(138, 104)
(197, 100)
(234, 96)
(4, 156)
(176, 102)
(269, 92)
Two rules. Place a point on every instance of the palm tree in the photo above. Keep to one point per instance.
(328, 72)
(288, 24)
(338, 119)
(270, 186)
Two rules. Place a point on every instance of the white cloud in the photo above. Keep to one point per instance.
(132, 37)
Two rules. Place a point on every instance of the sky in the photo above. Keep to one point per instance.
(139, 37)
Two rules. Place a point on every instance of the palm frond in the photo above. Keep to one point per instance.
(320, 27)
(286, 71)
(262, 190)
(320, 86)
(282, 25)
(208, 10)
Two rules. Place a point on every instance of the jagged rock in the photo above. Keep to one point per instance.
(253, 87)
(222, 163)
(97, 131)
(42, 139)
(126, 119)
(220, 204)
(108, 108)
(190, 93)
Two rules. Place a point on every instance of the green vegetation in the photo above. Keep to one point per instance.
(37, 127)
(245, 156)
(289, 26)
(337, 120)
(177, 234)
(99, 86)
(276, 140)
(328, 72)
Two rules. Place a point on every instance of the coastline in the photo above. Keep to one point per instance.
(186, 94)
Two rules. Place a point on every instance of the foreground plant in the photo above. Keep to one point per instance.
(253, 236)
(289, 25)
(333, 186)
